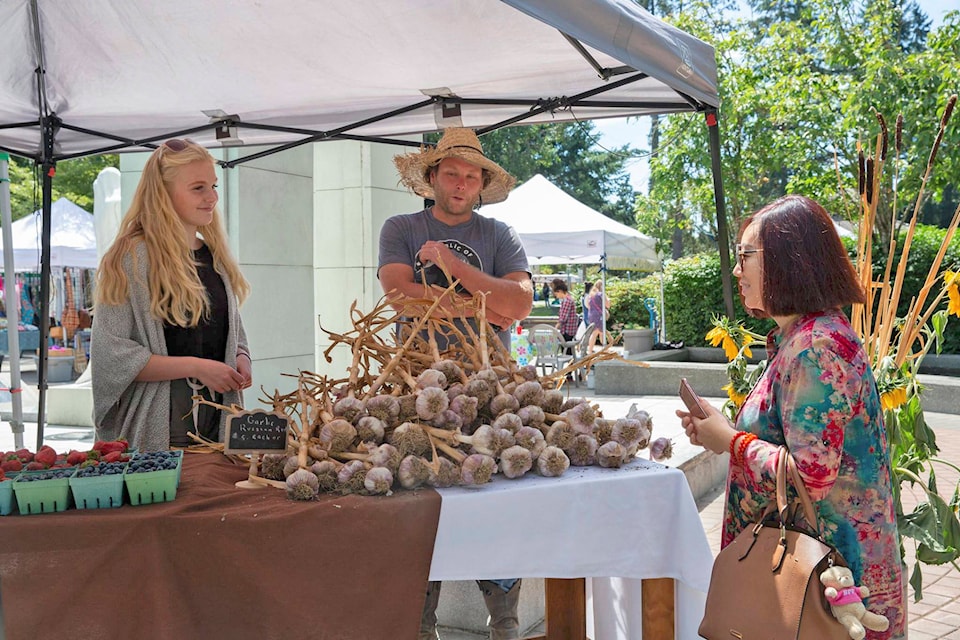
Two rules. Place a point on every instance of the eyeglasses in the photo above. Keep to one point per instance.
(742, 252)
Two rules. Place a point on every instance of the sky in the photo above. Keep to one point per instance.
(616, 132)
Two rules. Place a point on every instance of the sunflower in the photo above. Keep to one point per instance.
(953, 290)
(735, 396)
(893, 398)
(720, 334)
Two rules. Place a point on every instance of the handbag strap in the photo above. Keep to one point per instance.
(787, 465)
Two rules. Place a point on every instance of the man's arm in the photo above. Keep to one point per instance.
(512, 293)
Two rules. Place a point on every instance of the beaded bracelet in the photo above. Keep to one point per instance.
(733, 441)
(742, 447)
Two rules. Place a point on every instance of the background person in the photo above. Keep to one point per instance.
(567, 320)
(167, 323)
(484, 255)
(817, 396)
(598, 305)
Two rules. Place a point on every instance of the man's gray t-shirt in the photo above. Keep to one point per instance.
(485, 243)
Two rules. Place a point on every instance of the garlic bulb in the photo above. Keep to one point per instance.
(348, 408)
(409, 438)
(431, 378)
(611, 454)
(602, 430)
(271, 466)
(530, 392)
(378, 481)
(509, 421)
(552, 401)
(408, 407)
(385, 408)
(466, 407)
(385, 455)
(561, 435)
(490, 378)
(570, 403)
(302, 485)
(552, 462)
(582, 451)
(326, 473)
(292, 464)
(351, 477)
(337, 435)
(531, 439)
(515, 461)
(661, 449)
(413, 472)
(503, 403)
(631, 432)
(581, 417)
(528, 372)
(447, 476)
(370, 429)
(479, 390)
(451, 370)
(531, 415)
(477, 469)
(431, 402)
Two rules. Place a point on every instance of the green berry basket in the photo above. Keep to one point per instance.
(99, 491)
(42, 496)
(148, 487)
(6, 496)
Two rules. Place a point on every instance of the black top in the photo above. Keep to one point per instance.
(209, 338)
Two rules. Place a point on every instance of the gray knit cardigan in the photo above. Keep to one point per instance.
(123, 338)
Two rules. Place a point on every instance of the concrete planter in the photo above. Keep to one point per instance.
(637, 340)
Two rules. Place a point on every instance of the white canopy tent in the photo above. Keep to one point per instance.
(556, 228)
(110, 75)
(72, 238)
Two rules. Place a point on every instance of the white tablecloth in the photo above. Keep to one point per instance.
(612, 526)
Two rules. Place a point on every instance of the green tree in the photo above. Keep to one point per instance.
(800, 84)
(73, 180)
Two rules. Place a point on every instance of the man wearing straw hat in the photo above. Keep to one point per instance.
(484, 255)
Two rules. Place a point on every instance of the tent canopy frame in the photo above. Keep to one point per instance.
(50, 124)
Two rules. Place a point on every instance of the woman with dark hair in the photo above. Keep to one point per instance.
(817, 396)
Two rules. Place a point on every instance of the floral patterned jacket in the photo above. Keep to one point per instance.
(818, 397)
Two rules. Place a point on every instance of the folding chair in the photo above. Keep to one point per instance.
(580, 353)
(550, 346)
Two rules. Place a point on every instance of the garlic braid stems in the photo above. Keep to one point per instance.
(406, 345)
(457, 455)
(267, 483)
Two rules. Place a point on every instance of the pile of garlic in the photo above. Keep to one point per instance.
(410, 414)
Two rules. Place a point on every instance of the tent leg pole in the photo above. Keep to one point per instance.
(12, 306)
(723, 243)
(48, 170)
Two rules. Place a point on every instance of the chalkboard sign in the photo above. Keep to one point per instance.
(256, 431)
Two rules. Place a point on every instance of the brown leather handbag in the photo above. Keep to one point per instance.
(766, 583)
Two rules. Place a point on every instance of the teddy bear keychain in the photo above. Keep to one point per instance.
(846, 603)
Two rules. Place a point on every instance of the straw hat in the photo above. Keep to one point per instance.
(460, 143)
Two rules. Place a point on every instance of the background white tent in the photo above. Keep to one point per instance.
(72, 238)
(243, 72)
(556, 228)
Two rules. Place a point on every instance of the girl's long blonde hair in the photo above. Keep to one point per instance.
(177, 296)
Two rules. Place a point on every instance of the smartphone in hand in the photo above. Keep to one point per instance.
(691, 399)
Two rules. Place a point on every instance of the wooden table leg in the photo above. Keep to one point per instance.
(566, 609)
(658, 608)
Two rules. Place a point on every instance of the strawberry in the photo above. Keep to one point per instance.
(76, 457)
(89, 462)
(36, 465)
(3, 476)
(25, 455)
(118, 446)
(46, 456)
(93, 454)
(12, 465)
(113, 456)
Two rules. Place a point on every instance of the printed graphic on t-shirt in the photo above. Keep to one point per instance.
(435, 276)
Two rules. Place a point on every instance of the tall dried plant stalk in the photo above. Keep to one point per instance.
(876, 320)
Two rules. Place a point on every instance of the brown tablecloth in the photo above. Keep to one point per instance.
(221, 562)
